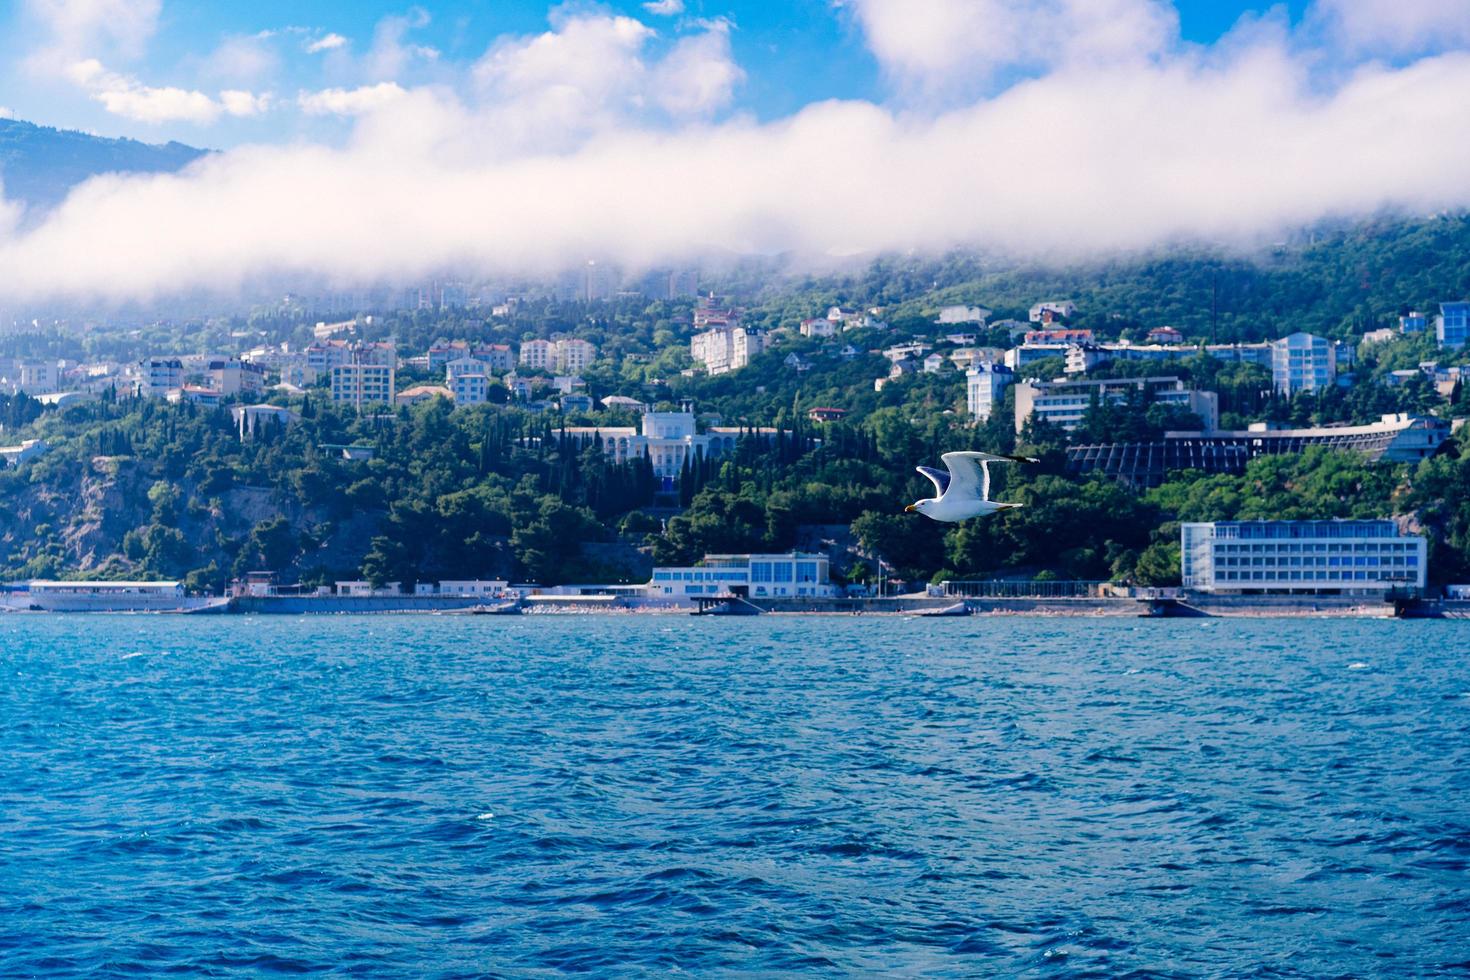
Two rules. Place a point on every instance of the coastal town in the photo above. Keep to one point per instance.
(1044, 374)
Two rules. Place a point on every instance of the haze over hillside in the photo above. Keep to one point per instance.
(636, 137)
(39, 165)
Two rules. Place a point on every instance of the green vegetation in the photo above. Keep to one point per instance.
(145, 488)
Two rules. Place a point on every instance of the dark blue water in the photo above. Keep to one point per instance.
(445, 797)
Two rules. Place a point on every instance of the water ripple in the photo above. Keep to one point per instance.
(448, 798)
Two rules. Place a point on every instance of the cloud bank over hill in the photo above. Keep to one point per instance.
(1094, 129)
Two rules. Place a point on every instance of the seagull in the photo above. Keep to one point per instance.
(964, 491)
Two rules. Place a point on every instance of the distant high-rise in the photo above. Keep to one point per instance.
(985, 386)
(1452, 326)
(1303, 362)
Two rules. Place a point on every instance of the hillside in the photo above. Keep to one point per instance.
(1338, 281)
(39, 165)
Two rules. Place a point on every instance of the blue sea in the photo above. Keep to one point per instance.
(407, 796)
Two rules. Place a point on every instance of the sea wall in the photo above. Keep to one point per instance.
(351, 604)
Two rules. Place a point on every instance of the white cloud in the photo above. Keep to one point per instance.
(592, 72)
(1080, 160)
(125, 96)
(78, 28)
(240, 103)
(944, 45)
(390, 55)
(664, 8)
(1390, 27)
(571, 146)
(327, 42)
(159, 105)
(349, 102)
(699, 75)
(6, 112)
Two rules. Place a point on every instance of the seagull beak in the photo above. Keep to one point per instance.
(910, 509)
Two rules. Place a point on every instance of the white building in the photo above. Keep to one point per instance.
(668, 439)
(574, 356)
(1303, 362)
(232, 376)
(469, 388)
(755, 576)
(1052, 310)
(1065, 403)
(323, 355)
(963, 314)
(464, 365)
(1247, 557)
(985, 387)
(538, 355)
(1018, 357)
(248, 417)
(35, 378)
(726, 348)
(26, 451)
(362, 384)
(914, 349)
(157, 376)
(818, 327)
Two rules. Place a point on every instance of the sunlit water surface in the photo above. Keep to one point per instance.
(452, 796)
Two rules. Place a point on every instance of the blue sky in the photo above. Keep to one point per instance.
(791, 53)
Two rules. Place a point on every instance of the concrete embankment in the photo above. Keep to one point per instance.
(352, 604)
(928, 605)
(1187, 606)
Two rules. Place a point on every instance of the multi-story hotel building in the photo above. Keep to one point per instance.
(985, 385)
(756, 576)
(1334, 557)
(157, 376)
(1064, 403)
(363, 384)
(1303, 362)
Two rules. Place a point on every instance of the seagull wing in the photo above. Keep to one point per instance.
(940, 478)
(972, 469)
(966, 478)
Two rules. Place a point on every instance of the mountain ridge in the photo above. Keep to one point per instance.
(39, 165)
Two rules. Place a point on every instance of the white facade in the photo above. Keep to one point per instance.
(232, 376)
(818, 327)
(574, 356)
(104, 596)
(985, 387)
(1303, 362)
(157, 376)
(668, 438)
(469, 389)
(1065, 403)
(247, 417)
(963, 314)
(757, 576)
(1052, 309)
(464, 365)
(26, 451)
(726, 348)
(36, 378)
(1300, 556)
(362, 384)
(538, 355)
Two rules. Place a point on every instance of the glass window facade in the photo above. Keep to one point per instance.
(1300, 556)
